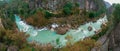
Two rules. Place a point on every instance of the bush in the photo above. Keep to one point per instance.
(10, 37)
(37, 20)
(84, 45)
(67, 9)
(77, 4)
(68, 5)
(3, 47)
(91, 14)
(100, 11)
(116, 12)
(48, 14)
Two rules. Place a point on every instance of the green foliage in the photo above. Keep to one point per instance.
(68, 5)
(37, 20)
(91, 14)
(2, 47)
(10, 37)
(100, 11)
(48, 14)
(100, 7)
(19, 7)
(84, 45)
(103, 32)
(77, 4)
(116, 12)
(67, 9)
(27, 49)
(57, 41)
(14, 38)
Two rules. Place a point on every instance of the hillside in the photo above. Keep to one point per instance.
(55, 25)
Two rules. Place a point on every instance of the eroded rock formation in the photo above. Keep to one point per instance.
(58, 4)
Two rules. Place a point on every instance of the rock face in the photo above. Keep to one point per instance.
(58, 4)
(47, 4)
(89, 28)
(103, 41)
(107, 4)
(114, 43)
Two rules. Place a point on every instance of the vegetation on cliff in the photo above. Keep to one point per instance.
(28, 9)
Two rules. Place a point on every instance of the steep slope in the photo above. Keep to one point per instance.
(114, 39)
(58, 4)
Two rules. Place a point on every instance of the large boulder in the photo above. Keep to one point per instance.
(63, 29)
(90, 28)
(103, 25)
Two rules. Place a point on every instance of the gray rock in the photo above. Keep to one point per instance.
(63, 29)
(114, 43)
(89, 28)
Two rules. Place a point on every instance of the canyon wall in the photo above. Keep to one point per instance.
(58, 4)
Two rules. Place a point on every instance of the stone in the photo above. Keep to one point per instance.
(62, 30)
(69, 25)
(90, 28)
(103, 25)
(97, 31)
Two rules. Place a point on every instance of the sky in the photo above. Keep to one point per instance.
(113, 1)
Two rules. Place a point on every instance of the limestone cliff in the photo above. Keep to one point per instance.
(58, 4)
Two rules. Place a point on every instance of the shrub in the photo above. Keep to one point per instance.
(68, 5)
(84, 45)
(37, 20)
(3, 47)
(67, 9)
(91, 14)
(77, 4)
(9, 37)
(116, 12)
(48, 14)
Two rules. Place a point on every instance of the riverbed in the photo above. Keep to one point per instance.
(45, 36)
